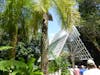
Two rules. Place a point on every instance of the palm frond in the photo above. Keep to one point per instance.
(45, 5)
(67, 12)
(41, 5)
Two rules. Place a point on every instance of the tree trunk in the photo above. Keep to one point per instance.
(13, 44)
(73, 60)
(44, 45)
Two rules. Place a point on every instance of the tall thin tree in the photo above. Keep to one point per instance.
(68, 14)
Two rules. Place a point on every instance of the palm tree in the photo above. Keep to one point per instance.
(91, 21)
(10, 21)
(38, 18)
(14, 19)
(68, 15)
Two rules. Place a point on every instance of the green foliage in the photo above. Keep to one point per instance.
(20, 68)
(53, 67)
(89, 8)
(42, 5)
(5, 48)
(37, 73)
(97, 1)
(67, 12)
(21, 18)
(17, 19)
(4, 52)
(59, 63)
(90, 21)
(22, 50)
(15, 67)
(27, 50)
(65, 72)
(9, 65)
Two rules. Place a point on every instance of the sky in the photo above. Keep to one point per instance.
(53, 26)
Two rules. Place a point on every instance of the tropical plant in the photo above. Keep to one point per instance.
(14, 67)
(15, 21)
(67, 14)
(14, 18)
(9, 22)
(90, 21)
(59, 63)
(3, 52)
(5, 48)
(27, 50)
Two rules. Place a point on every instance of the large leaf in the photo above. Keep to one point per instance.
(5, 48)
(6, 65)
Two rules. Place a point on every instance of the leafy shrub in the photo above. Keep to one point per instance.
(15, 67)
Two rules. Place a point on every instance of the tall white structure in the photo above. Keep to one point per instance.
(69, 41)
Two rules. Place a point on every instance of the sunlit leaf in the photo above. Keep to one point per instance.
(5, 48)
